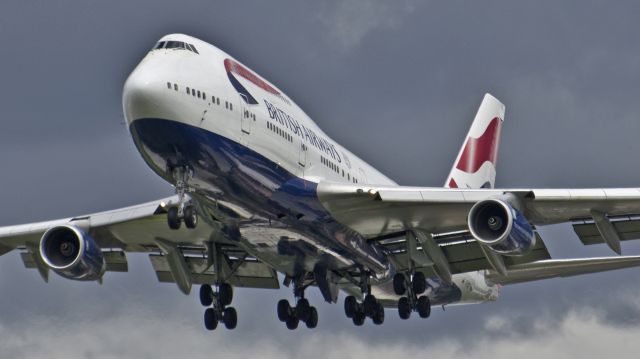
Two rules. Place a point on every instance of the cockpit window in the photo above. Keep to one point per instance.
(179, 45)
(175, 45)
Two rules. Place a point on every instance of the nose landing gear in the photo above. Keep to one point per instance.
(184, 211)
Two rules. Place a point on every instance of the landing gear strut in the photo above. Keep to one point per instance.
(220, 312)
(184, 211)
(301, 312)
(410, 290)
(370, 306)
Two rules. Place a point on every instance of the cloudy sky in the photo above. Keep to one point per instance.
(398, 83)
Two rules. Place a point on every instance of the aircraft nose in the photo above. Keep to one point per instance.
(142, 96)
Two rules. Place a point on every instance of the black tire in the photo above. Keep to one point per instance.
(190, 217)
(399, 284)
(284, 310)
(210, 319)
(172, 218)
(292, 322)
(423, 307)
(370, 305)
(230, 318)
(225, 291)
(302, 309)
(206, 295)
(350, 306)
(419, 283)
(404, 308)
(312, 321)
(378, 317)
(358, 318)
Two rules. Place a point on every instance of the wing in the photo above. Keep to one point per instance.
(185, 256)
(440, 240)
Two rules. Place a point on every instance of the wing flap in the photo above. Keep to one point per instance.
(627, 227)
(249, 274)
(462, 252)
(555, 268)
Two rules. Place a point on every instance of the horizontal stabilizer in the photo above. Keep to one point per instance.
(554, 268)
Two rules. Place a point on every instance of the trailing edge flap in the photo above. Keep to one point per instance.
(554, 268)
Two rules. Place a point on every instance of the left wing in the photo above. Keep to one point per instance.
(440, 215)
(185, 256)
(380, 210)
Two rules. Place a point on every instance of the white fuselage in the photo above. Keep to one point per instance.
(260, 148)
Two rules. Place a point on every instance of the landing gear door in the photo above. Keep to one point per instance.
(245, 117)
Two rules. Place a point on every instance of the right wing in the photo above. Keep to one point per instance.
(185, 256)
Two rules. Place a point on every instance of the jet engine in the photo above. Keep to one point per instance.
(498, 225)
(72, 253)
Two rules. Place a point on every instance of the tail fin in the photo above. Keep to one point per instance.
(475, 164)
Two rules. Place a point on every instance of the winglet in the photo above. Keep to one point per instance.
(475, 166)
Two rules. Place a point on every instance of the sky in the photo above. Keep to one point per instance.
(398, 83)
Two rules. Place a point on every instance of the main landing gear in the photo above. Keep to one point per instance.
(301, 312)
(370, 306)
(184, 211)
(220, 312)
(410, 289)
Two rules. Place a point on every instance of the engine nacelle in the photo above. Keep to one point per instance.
(498, 225)
(71, 253)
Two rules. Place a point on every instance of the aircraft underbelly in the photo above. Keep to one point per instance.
(288, 227)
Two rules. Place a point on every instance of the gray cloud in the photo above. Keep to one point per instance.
(348, 22)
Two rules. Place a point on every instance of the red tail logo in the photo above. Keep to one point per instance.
(480, 150)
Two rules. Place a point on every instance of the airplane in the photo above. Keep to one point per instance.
(262, 191)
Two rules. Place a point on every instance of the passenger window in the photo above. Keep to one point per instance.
(218, 101)
(188, 91)
(226, 105)
(175, 87)
(169, 85)
(193, 93)
(198, 93)
(231, 106)
(204, 96)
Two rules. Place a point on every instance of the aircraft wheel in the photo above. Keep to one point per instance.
(399, 284)
(312, 321)
(419, 283)
(358, 318)
(284, 310)
(378, 317)
(230, 318)
(302, 309)
(210, 319)
(370, 305)
(172, 218)
(350, 306)
(292, 322)
(225, 290)
(424, 307)
(206, 295)
(404, 308)
(190, 217)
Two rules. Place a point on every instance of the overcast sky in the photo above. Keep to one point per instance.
(397, 82)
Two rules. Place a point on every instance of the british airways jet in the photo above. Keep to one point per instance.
(260, 189)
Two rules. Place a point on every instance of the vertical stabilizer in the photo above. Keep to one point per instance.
(475, 166)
